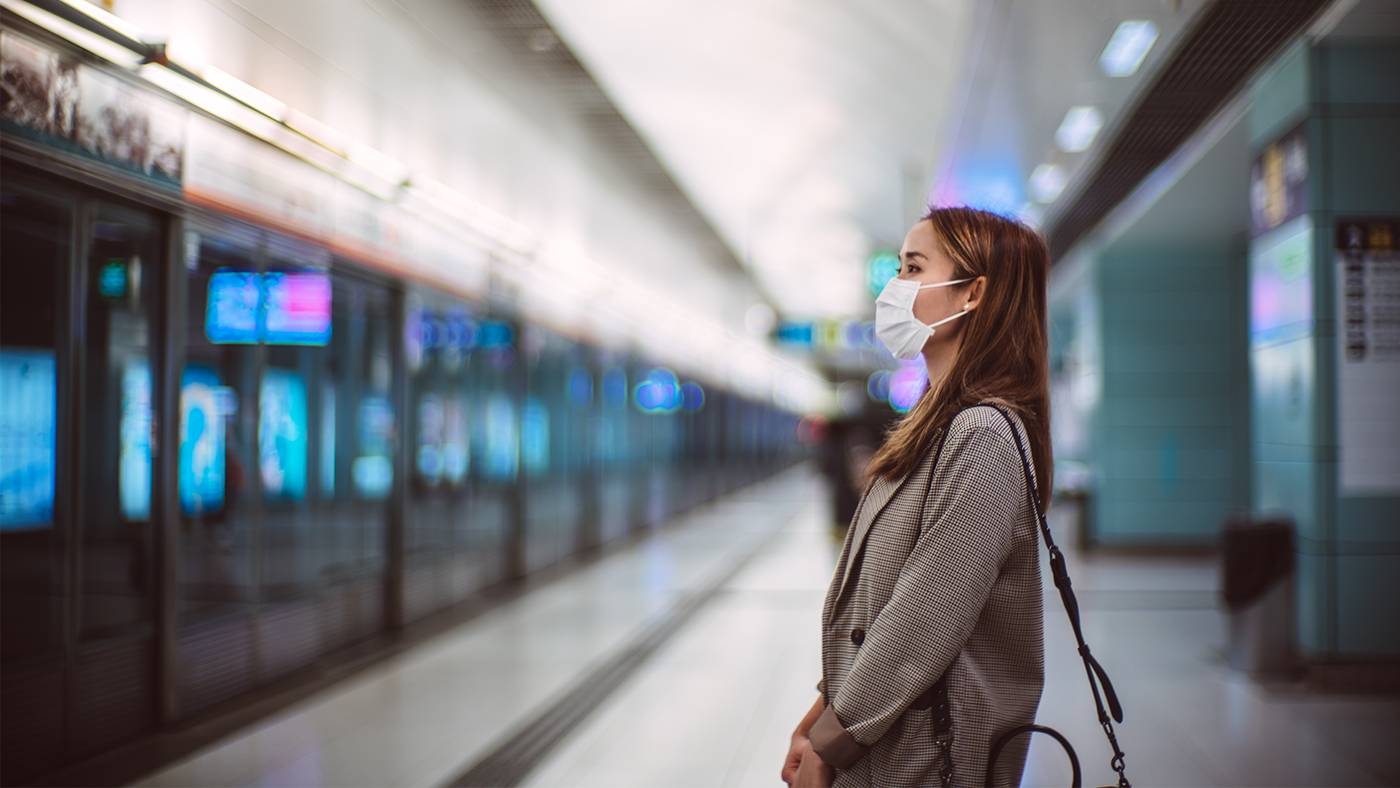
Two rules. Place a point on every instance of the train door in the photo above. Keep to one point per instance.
(78, 325)
(36, 250)
(116, 289)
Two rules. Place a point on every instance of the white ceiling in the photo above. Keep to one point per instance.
(803, 130)
(811, 132)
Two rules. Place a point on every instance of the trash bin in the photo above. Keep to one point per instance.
(1258, 594)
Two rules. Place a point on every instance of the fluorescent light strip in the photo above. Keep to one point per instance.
(106, 18)
(245, 93)
(98, 45)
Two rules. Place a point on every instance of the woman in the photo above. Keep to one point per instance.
(940, 574)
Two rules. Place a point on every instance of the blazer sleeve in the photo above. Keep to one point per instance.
(967, 535)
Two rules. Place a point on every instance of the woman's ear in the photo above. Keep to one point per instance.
(975, 293)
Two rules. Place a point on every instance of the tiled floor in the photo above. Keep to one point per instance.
(715, 705)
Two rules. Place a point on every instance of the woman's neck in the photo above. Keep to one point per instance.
(939, 359)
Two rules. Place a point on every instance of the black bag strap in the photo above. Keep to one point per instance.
(1092, 669)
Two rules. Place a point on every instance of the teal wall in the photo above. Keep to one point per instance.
(1348, 547)
(1170, 436)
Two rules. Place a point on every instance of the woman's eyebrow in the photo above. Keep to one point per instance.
(909, 254)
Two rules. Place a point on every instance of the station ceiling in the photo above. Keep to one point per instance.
(811, 133)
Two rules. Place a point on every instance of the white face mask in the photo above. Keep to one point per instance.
(895, 323)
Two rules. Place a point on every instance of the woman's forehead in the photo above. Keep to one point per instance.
(921, 239)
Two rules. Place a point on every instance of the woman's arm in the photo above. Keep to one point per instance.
(975, 494)
(800, 742)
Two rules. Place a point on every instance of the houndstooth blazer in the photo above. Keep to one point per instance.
(943, 583)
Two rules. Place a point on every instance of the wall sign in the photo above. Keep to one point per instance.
(1278, 182)
(1368, 356)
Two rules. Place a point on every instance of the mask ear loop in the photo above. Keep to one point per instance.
(944, 284)
(950, 318)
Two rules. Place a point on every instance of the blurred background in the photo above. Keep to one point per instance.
(389, 384)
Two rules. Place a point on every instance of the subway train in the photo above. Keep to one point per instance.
(252, 413)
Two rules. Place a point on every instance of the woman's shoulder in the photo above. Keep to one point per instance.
(981, 433)
(984, 418)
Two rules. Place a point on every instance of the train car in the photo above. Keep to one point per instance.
(255, 411)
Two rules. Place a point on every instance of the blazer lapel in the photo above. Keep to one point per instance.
(875, 500)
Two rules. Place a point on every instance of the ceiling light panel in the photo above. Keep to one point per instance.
(1046, 182)
(1128, 47)
(1079, 128)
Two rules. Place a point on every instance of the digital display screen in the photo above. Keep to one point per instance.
(297, 308)
(373, 472)
(454, 448)
(328, 441)
(1280, 285)
(430, 429)
(203, 405)
(134, 465)
(534, 436)
(501, 438)
(231, 316)
(282, 438)
(28, 435)
(279, 308)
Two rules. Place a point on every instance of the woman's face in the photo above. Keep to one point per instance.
(921, 260)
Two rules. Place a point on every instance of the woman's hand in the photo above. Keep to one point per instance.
(794, 757)
(800, 742)
(814, 772)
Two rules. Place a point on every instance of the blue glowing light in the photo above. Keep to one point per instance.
(134, 465)
(111, 282)
(880, 268)
(659, 392)
(534, 436)
(799, 333)
(494, 334)
(231, 316)
(29, 421)
(987, 184)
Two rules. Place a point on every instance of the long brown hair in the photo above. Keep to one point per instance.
(1002, 357)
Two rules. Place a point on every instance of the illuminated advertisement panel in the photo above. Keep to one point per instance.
(278, 308)
(282, 440)
(134, 465)
(1280, 285)
(297, 308)
(203, 405)
(328, 441)
(372, 471)
(455, 456)
(28, 427)
(231, 316)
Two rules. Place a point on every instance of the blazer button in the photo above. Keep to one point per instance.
(857, 636)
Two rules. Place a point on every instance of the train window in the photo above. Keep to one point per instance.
(218, 468)
(123, 266)
(34, 262)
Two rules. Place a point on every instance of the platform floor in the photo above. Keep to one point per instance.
(715, 703)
